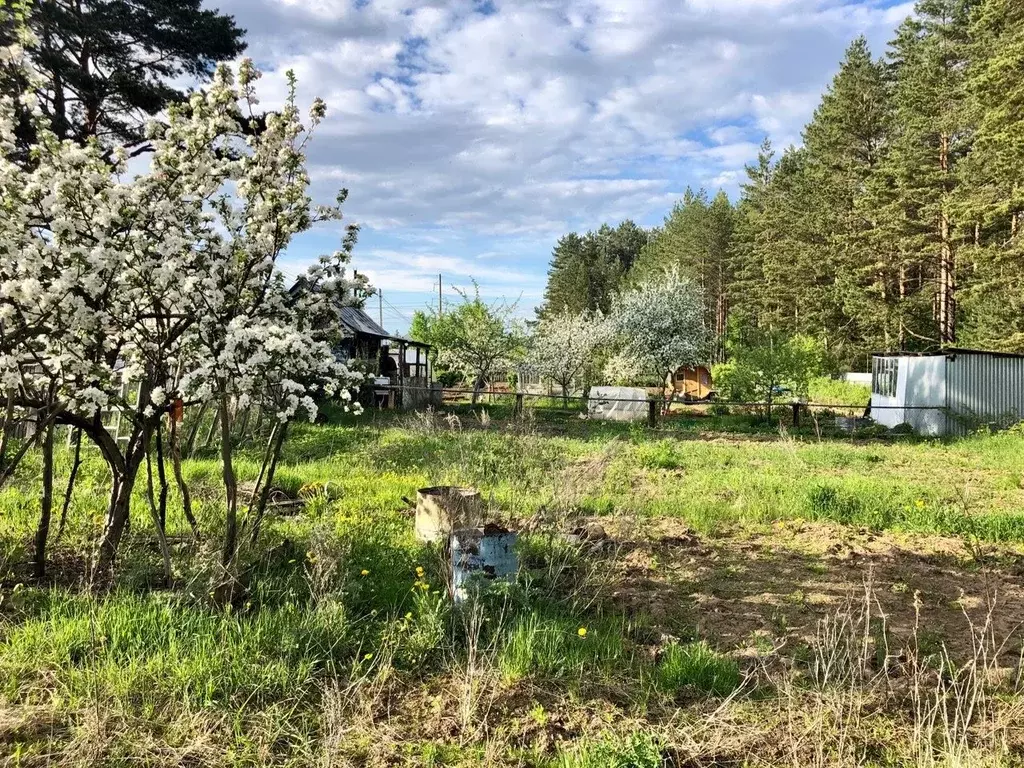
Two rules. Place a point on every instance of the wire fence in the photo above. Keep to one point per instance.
(449, 393)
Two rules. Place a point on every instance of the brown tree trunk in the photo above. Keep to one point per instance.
(158, 523)
(162, 476)
(280, 432)
(7, 428)
(230, 485)
(213, 429)
(46, 504)
(179, 478)
(947, 263)
(120, 507)
(721, 326)
(902, 337)
(191, 441)
(70, 490)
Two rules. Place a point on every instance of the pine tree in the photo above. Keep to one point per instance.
(845, 143)
(107, 65)
(624, 243)
(992, 195)
(695, 239)
(930, 136)
(746, 294)
(721, 218)
(583, 274)
(797, 279)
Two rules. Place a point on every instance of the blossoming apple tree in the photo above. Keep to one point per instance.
(144, 294)
(660, 324)
(564, 345)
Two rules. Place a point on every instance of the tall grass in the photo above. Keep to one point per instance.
(562, 648)
(342, 650)
(698, 667)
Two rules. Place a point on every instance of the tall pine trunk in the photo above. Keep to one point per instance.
(947, 260)
(721, 326)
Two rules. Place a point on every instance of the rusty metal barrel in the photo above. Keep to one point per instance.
(442, 509)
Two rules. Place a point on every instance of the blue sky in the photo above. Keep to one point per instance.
(471, 134)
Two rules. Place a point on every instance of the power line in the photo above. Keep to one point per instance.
(399, 313)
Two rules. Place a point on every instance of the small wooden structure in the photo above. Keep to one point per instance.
(691, 384)
(404, 362)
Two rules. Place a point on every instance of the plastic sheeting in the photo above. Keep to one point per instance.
(617, 403)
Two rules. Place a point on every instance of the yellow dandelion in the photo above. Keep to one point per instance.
(419, 571)
(364, 572)
(582, 631)
(919, 503)
(367, 657)
(424, 586)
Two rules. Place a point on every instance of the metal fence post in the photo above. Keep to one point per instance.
(796, 413)
(652, 413)
(517, 409)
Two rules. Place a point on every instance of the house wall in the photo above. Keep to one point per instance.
(920, 397)
(887, 410)
(924, 394)
(984, 389)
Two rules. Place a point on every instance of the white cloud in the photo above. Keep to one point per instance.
(527, 117)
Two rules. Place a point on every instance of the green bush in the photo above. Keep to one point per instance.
(764, 363)
(828, 391)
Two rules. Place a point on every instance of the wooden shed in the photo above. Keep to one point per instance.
(405, 363)
(402, 367)
(691, 384)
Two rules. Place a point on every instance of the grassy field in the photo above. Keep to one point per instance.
(762, 596)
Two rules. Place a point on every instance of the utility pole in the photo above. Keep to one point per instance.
(440, 309)
(380, 307)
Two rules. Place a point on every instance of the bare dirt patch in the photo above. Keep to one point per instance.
(777, 584)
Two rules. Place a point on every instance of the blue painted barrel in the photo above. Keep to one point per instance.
(480, 555)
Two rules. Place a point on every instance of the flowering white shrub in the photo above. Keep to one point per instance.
(164, 284)
(622, 370)
(660, 325)
(564, 345)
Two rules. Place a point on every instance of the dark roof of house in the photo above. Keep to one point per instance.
(948, 351)
(356, 321)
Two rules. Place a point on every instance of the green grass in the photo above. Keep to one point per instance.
(554, 648)
(145, 650)
(829, 391)
(698, 667)
(333, 595)
(638, 750)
